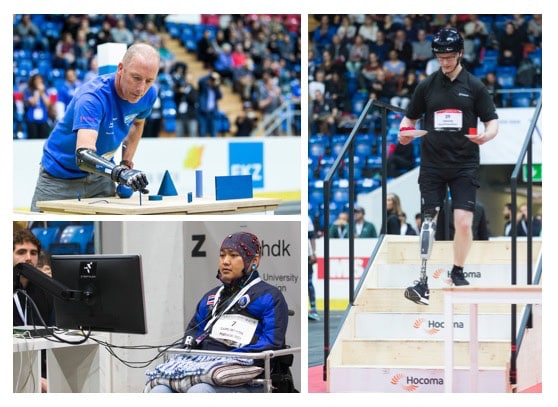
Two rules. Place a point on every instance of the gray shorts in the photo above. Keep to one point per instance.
(51, 188)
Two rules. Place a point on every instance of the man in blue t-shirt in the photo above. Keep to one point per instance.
(104, 114)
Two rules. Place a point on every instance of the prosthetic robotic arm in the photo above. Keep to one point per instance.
(88, 160)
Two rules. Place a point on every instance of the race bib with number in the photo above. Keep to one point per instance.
(234, 329)
(448, 120)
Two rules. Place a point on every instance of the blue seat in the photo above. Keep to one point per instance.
(74, 239)
(317, 146)
(337, 143)
(46, 235)
(505, 75)
(521, 99)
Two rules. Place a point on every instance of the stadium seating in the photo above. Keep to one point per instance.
(46, 235)
(74, 239)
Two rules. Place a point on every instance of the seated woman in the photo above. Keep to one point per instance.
(243, 314)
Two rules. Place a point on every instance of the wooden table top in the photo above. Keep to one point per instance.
(168, 205)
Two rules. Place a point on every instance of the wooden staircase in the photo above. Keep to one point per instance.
(230, 104)
(390, 344)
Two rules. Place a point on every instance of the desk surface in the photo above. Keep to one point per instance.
(21, 344)
(168, 205)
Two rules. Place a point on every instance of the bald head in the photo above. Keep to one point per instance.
(141, 51)
(137, 72)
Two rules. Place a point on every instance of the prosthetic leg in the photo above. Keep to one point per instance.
(420, 292)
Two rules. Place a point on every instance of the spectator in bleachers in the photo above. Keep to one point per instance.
(27, 35)
(475, 29)
(37, 102)
(83, 50)
(210, 93)
(186, 99)
(534, 30)
(93, 69)
(394, 68)
(382, 88)
(244, 79)
(65, 52)
(270, 98)
(410, 29)
(336, 88)
(520, 25)
(335, 56)
(369, 72)
(323, 115)
(358, 52)
(104, 35)
(403, 47)
(469, 52)
(121, 33)
(154, 122)
(346, 31)
(381, 46)
(422, 51)
(245, 121)
(439, 21)
(405, 91)
(205, 50)
(493, 88)
(318, 83)
(510, 47)
(322, 35)
(67, 89)
(224, 65)
(149, 34)
(389, 27)
(368, 30)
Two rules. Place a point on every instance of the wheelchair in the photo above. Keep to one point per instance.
(277, 377)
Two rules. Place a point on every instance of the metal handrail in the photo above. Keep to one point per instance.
(348, 149)
(526, 152)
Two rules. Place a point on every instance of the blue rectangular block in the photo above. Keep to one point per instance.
(233, 187)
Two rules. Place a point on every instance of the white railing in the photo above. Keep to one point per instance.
(478, 295)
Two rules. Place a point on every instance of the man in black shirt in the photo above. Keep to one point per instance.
(450, 102)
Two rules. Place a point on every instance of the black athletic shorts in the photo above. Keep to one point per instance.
(462, 183)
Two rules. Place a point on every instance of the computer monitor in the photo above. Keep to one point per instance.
(113, 287)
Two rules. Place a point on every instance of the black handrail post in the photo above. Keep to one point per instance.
(384, 170)
(351, 222)
(327, 186)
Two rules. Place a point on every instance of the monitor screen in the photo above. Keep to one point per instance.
(113, 284)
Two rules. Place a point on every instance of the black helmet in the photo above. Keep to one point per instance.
(447, 40)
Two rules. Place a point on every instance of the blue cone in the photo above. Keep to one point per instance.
(167, 186)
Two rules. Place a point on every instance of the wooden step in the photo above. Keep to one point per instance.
(415, 353)
(397, 379)
(392, 300)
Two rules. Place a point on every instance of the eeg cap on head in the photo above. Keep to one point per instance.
(447, 40)
(245, 243)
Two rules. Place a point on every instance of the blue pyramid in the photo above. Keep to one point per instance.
(167, 186)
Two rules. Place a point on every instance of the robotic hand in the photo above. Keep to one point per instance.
(132, 178)
(88, 160)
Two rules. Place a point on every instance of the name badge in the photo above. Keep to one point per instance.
(448, 119)
(234, 329)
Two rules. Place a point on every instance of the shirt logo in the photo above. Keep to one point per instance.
(463, 94)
